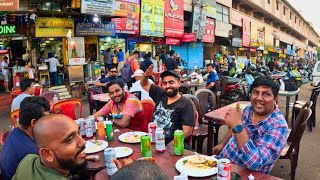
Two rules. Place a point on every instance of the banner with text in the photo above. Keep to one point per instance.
(54, 27)
(199, 22)
(93, 29)
(152, 18)
(174, 26)
(105, 8)
(209, 36)
(9, 5)
(246, 33)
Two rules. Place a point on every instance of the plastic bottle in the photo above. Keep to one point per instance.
(101, 130)
(110, 135)
(55, 99)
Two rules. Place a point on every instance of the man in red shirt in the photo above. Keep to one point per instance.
(125, 108)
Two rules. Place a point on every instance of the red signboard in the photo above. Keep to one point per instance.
(189, 37)
(174, 20)
(130, 10)
(173, 41)
(10, 5)
(246, 30)
(209, 36)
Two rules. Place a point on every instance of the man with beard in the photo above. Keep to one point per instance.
(257, 136)
(125, 108)
(60, 149)
(212, 77)
(173, 111)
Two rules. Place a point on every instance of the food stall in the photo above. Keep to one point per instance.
(76, 59)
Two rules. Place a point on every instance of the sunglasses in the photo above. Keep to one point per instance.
(113, 71)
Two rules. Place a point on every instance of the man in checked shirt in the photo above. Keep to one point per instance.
(257, 136)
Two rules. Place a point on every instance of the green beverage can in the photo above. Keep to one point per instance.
(109, 130)
(146, 150)
(178, 143)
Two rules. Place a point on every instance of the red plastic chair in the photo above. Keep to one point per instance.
(68, 108)
(38, 90)
(148, 108)
(15, 91)
(3, 136)
(14, 116)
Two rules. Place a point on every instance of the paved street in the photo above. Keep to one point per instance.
(308, 165)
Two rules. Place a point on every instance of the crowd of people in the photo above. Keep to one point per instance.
(50, 146)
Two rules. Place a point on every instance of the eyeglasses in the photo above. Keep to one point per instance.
(113, 71)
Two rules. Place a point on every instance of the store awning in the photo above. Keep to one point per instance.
(272, 49)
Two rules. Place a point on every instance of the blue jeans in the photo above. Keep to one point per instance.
(53, 78)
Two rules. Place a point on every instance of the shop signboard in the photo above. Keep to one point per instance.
(172, 41)
(261, 40)
(189, 37)
(246, 33)
(254, 35)
(8, 29)
(95, 29)
(237, 42)
(54, 27)
(173, 13)
(152, 18)
(9, 5)
(199, 22)
(104, 7)
(130, 10)
(288, 49)
(210, 7)
(209, 36)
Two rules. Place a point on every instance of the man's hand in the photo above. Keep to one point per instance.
(233, 117)
(149, 71)
(124, 162)
(217, 149)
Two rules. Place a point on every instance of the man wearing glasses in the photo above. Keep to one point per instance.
(112, 76)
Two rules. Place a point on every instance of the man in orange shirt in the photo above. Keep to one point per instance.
(134, 65)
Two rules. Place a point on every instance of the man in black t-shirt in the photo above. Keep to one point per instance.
(171, 63)
(173, 111)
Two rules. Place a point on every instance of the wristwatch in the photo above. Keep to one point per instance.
(238, 128)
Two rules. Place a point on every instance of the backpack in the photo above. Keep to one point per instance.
(126, 71)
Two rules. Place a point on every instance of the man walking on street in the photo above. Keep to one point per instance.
(5, 73)
(120, 56)
(53, 62)
(107, 58)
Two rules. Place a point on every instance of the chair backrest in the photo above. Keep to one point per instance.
(14, 116)
(196, 104)
(92, 90)
(137, 94)
(183, 90)
(314, 99)
(298, 129)
(297, 123)
(68, 108)
(224, 83)
(15, 91)
(148, 108)
(207, 100)
(3, 136)
(38, 90)
(217, 86)
(49, 95)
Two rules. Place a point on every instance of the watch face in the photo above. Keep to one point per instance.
(238, 128)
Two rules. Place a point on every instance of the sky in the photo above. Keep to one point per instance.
(309, 9)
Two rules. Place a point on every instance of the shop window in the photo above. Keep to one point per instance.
(284, 10)
(295, 20)
(277, 5)
(268, 1)
(290, 15)
(222, 13)
(51, 6)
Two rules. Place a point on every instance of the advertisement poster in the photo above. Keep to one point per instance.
(152, 18)
(9, 5)
(105, 7)
(210, 6)
(261, 38)
(172, 41)
(174, 26)
(209, 36)
(53, 27)
(95, 29)
(189, 37)
(254, 35)
(199, 22)
(130, 10)
(246, 33)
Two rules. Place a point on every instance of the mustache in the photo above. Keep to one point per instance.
(81, 149)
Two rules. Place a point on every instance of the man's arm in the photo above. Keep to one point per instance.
(104, 111)
(187, 131)
(210, 85)
(144, 81)
(97, 83)
(123, 122)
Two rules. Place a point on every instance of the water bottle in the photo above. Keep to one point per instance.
(55, 99)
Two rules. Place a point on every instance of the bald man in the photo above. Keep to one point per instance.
(60, 148)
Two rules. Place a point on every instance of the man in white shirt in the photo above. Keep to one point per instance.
(136, 87)
(53, 62)
(27, 89)
(5, 73)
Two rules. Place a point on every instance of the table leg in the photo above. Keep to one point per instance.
(287, 108)
(210, 138)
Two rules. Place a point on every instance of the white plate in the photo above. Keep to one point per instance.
(122, 152)
(195, 172)
(124, 137)
(93, 148)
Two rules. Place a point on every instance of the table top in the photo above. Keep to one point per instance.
(165, 160)
(289, 93)
(218, 115)
(101, 97)
(193, 84)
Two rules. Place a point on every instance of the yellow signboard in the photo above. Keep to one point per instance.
(54, 27)
(152, 18)
(254, 33)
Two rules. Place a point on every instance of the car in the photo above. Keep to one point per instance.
(316, 74)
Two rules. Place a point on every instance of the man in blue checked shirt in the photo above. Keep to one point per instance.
(257, 136)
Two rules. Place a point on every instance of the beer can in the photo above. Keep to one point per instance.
(151, 131)
(89, 133)
(146, 150)
(224, 169)
(178, 143)
(93, 124)
(81, 124)
(109, 157)
(160, 140)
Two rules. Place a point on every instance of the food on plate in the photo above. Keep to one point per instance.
(93, 158)
(132, 138)
(150, 159)
(200, 162)
(97, 142)
(147, 8)
(147, 17)
(129, 26)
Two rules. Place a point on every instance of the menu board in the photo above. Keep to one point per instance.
(152, 18)
(209, 36)
(104, 7)
(130, 10)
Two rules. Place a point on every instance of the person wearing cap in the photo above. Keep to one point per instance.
(136, 87)
(173, 111)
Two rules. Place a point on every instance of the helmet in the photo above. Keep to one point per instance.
(253, 67)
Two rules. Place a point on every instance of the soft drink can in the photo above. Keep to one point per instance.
(178, 142)
(89, 133)
(145, 143)
(160, 140)
(224, 169)
(93, 124)
(81, 124)
(109, 157)
(151, 131)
